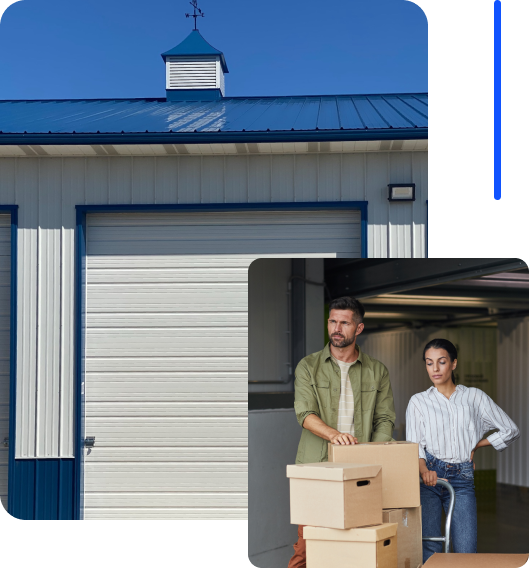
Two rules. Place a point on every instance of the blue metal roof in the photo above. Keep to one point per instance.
(195, 44)
(231, 119)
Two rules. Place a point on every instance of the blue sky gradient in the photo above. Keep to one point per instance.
(57, 49)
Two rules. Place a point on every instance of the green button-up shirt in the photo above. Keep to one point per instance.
(317, 387)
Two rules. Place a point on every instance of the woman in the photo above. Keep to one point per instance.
(448, 422)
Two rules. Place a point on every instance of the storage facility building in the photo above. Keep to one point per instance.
(126, 231)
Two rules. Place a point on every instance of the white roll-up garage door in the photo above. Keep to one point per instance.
(166, 353)
(5, 302)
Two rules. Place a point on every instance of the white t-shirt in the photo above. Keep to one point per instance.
(346, 406)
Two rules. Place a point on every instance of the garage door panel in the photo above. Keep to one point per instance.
(167, 387)
(160, 319)
(166, 364)
(164, 454)
(168, 500)
(231, 218)
(166, 477)
(176, 233)
(166, 409)
(166, 514)
(167, 432)
(166, 353)
(157, 299)
(296, 246)
(164, 275)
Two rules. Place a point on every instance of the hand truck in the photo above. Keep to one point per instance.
(446, 537)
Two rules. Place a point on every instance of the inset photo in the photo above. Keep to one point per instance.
(386, 410)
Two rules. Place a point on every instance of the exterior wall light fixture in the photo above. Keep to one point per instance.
(401, 192)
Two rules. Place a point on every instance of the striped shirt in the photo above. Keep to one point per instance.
(346, 405)
(450, 429)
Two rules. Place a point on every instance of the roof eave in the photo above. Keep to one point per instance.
(214, 137)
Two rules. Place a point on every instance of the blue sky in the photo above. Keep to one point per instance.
(111, 48)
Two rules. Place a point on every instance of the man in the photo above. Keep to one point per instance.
(342, 396)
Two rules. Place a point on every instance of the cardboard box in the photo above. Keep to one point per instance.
(476, 561)
(371, 547)
(409, 533)
(335, 495)
(400, 466)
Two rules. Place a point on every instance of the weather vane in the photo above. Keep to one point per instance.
(194, 14)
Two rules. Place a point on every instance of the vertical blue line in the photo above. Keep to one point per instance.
(497, 99)
(12, 487)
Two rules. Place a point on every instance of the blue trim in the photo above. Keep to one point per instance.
(497, 99)
(80, 258)
(13, 211)
(81, 212)
(193, 94)
(216, 137)
(45, 489)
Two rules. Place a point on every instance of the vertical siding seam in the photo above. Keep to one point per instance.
(341, 175)
(224, 176)
(247, 176)
(155, 180)
(37, 318)
(61, 315)
(270, 165)
(201, 177)
(132, 176)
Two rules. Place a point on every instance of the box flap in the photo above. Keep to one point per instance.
(364, 534)
(476, 561)
(333, 471)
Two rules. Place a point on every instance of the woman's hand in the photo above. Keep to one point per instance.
(429, 477)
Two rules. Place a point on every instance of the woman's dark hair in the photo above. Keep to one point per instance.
(348, 303)
(448, 346)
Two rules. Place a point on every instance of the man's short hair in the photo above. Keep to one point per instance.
(348, 303)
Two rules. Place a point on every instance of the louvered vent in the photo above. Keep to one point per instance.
(193, 73)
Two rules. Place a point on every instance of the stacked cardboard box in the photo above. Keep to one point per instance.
(342, 506)
(362, 507)
(401, 499)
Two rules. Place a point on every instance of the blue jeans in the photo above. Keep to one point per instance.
(464, 530)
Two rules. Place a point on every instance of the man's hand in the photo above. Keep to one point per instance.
(343, 439)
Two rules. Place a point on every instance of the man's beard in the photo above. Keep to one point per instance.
(342, 342)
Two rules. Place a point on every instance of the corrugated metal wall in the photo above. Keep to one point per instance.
(5, 304)
(47, 190)
(401, 352)
(513, 397)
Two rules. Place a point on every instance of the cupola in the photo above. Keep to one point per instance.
(194, 70)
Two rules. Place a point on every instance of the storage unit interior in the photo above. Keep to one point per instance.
(480, 305)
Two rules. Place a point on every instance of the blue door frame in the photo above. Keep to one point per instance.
(80, 289)
(12, 210)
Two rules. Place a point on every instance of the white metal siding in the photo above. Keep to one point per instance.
(513, 397)
(5, 303)
(193, 72)
(166, 353)
(401, 352)
(47, 190)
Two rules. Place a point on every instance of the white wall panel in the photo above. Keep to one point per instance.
(513, 397)
(47, 190)
(27, 185)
